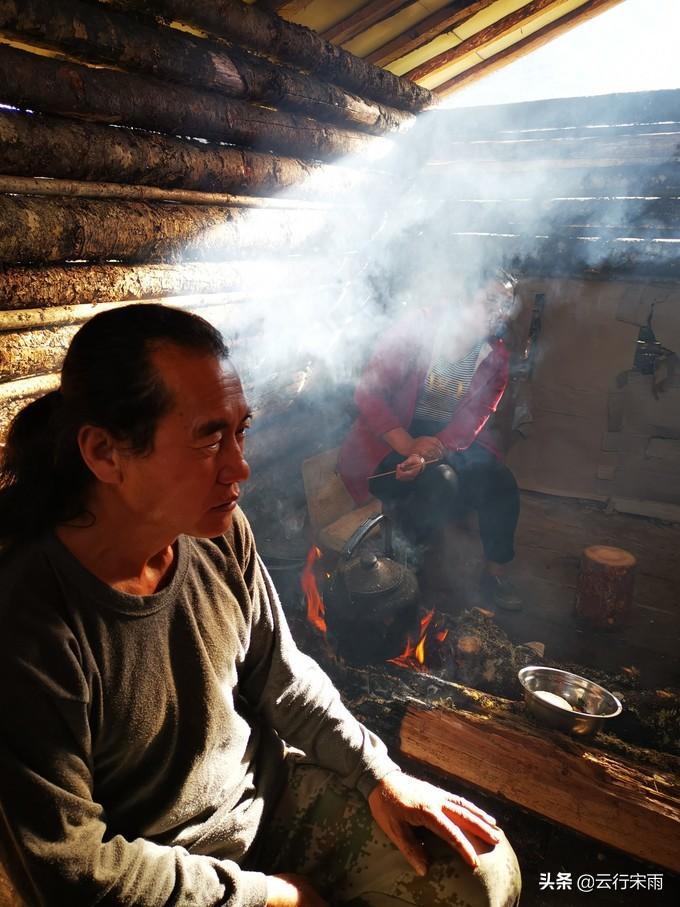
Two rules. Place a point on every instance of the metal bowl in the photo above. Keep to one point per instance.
(590, 703)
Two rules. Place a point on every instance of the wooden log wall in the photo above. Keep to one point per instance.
(173, 153)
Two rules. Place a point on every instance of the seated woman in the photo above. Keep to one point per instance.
(433, 382)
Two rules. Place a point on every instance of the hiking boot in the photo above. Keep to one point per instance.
(501, 592)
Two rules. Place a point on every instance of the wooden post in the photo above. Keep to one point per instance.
(605, 586)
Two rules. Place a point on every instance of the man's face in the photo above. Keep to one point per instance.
(189, 483)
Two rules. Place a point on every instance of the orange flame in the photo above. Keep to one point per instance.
(413, 656)
(441, 636)
(316, 610)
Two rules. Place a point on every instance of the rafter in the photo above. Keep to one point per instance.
(582, 13)
(493, 32)
(426, 30)
(363, 19)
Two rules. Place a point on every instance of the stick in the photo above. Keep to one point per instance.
(393, 472)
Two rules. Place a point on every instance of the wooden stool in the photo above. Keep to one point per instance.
(604, 592)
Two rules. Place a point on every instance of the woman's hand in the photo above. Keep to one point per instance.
(428, 447)
(399, 803)
(410, 468)
(291, 890)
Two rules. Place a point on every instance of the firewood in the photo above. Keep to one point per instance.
(94, 33)
(260, 30)
(45, 230)
(605, 586)
(55, 147)
(111, 96)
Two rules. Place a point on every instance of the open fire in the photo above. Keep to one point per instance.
(414, 654)
(316, 611)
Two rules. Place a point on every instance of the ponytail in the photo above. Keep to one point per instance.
(43, 479)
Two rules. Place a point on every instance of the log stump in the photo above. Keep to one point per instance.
(604, 592)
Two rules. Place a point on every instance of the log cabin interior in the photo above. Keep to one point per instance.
(283, 169)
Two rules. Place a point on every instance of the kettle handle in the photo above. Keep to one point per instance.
(362, 531)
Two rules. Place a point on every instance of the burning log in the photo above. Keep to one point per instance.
(92, 32)
(49, 146)
(46, 230)
(107, 95)
(268, 34)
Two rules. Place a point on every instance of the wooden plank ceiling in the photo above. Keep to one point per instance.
(440, 45)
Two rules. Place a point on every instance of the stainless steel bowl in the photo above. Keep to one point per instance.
(590, 703)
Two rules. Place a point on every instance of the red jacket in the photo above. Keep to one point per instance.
(387, 393)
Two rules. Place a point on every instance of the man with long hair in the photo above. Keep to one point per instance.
(150, 691)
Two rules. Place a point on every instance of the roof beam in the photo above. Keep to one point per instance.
(362, 20)
(426, 30)
(588, 10)
(487, 35)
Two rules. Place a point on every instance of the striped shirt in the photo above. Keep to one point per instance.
(446, 383)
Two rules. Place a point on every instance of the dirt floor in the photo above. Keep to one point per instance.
(551, 535)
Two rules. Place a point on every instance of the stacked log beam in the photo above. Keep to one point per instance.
(44, 230)
(93, 33)
(43, 287)
(112, 96)
(266, 33)
(37, 145)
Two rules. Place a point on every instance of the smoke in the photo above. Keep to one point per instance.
(424, 217)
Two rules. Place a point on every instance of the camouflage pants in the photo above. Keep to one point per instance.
(325, 832)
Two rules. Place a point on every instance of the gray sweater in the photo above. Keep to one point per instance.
(141, 736)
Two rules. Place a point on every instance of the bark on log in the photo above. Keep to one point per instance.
(107, 95)
(50, 146)
(599, 795)
(267, 33)
(111, 37)
(46, 230)
(30, 185)
(77, 284)
(604, 592)
(27, 388)
(29, 353)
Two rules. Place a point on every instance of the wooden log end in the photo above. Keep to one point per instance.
(609, 556)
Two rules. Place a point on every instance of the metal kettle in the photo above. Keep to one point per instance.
(371, 601)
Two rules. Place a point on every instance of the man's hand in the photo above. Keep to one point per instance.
(399, 803)
(292, 891)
